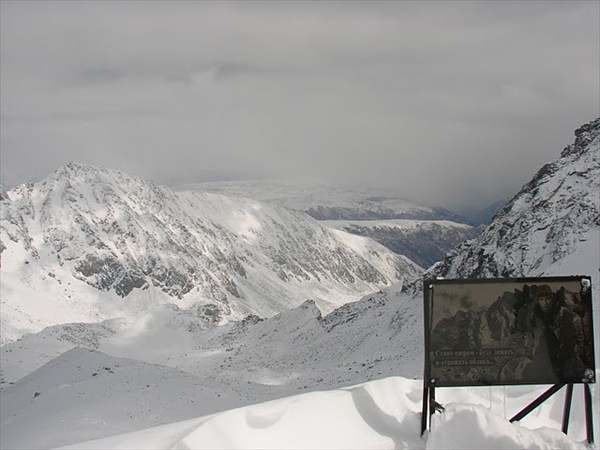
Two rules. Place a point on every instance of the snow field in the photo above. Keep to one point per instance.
(383, 414)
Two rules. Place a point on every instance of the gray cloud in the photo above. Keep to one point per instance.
(451, 102)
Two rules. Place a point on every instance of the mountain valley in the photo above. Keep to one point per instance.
(171, 355)
(422, 233)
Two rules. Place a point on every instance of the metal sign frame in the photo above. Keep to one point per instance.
(536, 297)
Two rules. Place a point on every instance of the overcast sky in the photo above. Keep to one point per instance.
(452, 102)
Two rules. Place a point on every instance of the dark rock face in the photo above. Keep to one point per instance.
(426, 244)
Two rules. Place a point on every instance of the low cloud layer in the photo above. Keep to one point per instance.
(451, 102)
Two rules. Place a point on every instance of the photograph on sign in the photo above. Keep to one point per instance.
(518, 331)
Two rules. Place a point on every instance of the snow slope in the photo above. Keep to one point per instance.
(258, 360)
(380, 414)
(294, 351)
(299, 349)
(84, 394)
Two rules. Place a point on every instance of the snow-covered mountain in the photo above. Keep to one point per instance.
(422, 233)
(328, 202)
(301, 351)
(551, 226)
(89, 244)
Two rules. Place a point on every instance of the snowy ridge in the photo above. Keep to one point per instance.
(124, 237)
(255, 366)
(555, 215)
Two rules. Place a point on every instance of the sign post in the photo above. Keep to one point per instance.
(509, 331)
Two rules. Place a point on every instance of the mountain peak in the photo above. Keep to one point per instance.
(74, 167)
(75, 171)
(554, 215)
(584, 136)
(87, 233)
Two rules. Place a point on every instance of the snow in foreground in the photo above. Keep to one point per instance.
(379, 414)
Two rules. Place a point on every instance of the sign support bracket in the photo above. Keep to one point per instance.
(567, 408)
(537, 402)
(589, 427)
(425, 415)
(589, 423)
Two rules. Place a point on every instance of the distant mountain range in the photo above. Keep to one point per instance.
(328, 202)
(423, 233)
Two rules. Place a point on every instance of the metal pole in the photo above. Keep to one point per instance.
(425, 411)
(537, 402)
(567, 408)
(431, 403)
(589, 423)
